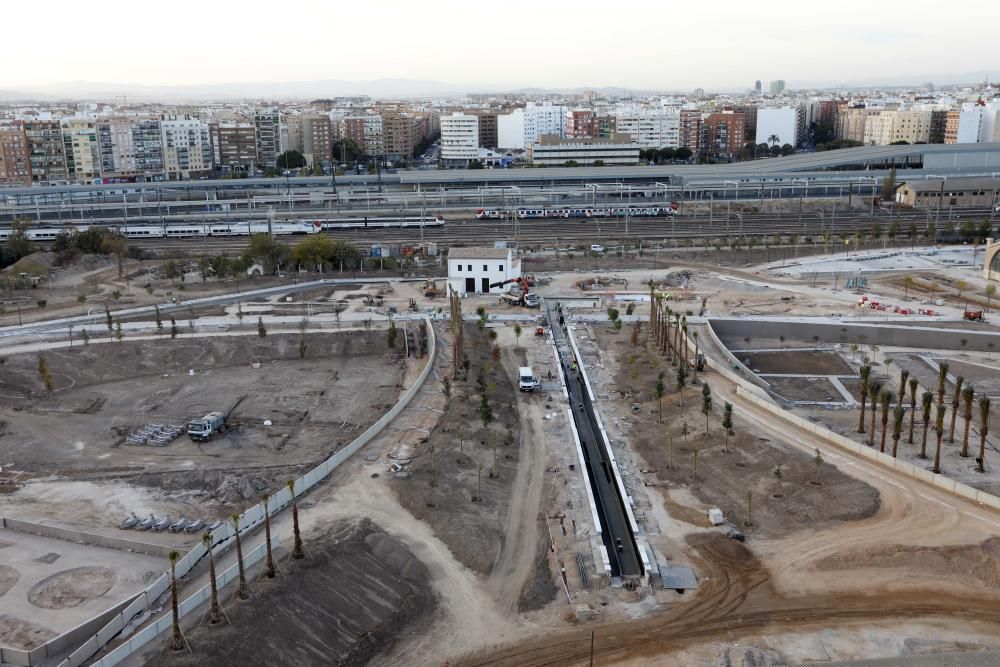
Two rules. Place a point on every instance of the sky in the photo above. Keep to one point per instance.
(649, 44)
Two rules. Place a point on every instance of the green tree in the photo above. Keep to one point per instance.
(991, 290)
(173, 328)
(898, 414)
(291, 160)
(517, 335)
(391, 334)
(18, 243)
(939, 427)
(118, 331)
(913, 406)
(159, 320)
(773, 140)
(314, 252)
(109, 320)
(706, 403)
(267, 252)
(885, 398)
(261, 331)
(44, 374)
(85, 335)
(866, 373)
(682, 378)
(659, 390)
(727, 423)
(889, 185)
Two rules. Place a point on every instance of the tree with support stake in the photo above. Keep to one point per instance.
(914, 385)
(706, 404)
(926, 403)
(659, 390)
(939, 425)
(297, 552)
(269, 563)
(176, 640)
(968, 394)
(727, 423)
(956, 400)
(242, 591)
(214, 615)
(898, 414)
(984, 427)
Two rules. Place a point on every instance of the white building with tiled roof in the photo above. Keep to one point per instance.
(473, 270)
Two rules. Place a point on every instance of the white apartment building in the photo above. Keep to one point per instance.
(83, 160)
(522, 127)
(978, 123)
(459, 139)
(782, 122)
(651, 130)
(374, 144)
(888, 126)
(187, 149)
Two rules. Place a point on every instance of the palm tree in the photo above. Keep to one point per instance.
(926, 402)
(897, 425)
(774, 140)
(866, 372)
(297, 549)
(967, 395)
(939, 426)
(876, 390)
(913, 406)
(659, 390)
(213, 611)
(176, 640)
(942, 378)
(903, 376)
(954, 408)
(269, 566)
(243, 592)
(886, 398)
(984, 425)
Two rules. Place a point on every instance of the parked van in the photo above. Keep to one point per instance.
(526, 380)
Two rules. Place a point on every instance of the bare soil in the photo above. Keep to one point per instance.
(790, 491)
(21, 634)
(355, 593)
(818, 362)
(804, 389)
(8, 577)
(71, 588)
(456, 462)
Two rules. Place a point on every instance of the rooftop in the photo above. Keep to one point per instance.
(969, 183)
(478, 253)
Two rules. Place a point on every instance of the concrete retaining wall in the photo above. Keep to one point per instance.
(880, 333)
(884, 460)
(222, 539)
(81, 537)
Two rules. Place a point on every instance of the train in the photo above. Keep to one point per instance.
(178, 230)
(585, 212)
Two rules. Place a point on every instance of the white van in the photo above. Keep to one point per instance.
(526, 380)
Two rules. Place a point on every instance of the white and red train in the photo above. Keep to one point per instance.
(581, 212)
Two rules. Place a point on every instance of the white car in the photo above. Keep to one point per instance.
(596, 247)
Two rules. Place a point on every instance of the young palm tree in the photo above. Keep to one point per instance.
(984, 426)
(939, 425)
(659, 390)
(903, 377)
(897, 426)
(243, 592)
(875, 391)
(926, 402)
(967, 395)
(866, 373)
(269, 565)
(297, 549)
(774, 140)
(176, 640)
(942, 379)
(213, 610)
(885, 398)
(913, 406)
(955, 401)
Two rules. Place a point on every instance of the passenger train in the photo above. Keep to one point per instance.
(586, 212)
(179, 230)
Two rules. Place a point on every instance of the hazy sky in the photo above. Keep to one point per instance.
(664, 44)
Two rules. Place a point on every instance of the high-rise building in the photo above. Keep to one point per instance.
(15, 167)
(724, 135)
(234, 146)
(400, 134)
(777, 87)
(938, 119)
(187, 149)
(352, 128)
(316, 138)
(690, 130)
(757, 87)
(650, 130)
(459, 139)
(488, 137)
(951, 123)
(268, 134)
(83, 158)
(580, 124)
(130, 147)
(522, 127)
(46, 150)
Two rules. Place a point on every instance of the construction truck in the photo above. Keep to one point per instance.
(201, 430)
(526, 298)
(973, 316)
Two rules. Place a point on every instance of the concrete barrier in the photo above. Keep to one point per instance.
(81, 537)
(885, 460)
(222, 538)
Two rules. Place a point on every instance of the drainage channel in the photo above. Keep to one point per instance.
(623, 552)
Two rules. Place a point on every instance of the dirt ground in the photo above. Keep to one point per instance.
(473, 530)
(804, 389)
(356, 592)
(789, 490)
(812, 362)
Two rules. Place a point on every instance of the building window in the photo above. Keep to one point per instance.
(470, 268)
(458, 268)
(500, 267)
(485, 268)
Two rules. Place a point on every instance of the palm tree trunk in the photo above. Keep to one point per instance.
(861, 417)
(923, 441)
(913, 416)
(885, 426)
(871, 436)
(214, 615)
(965, 436)
(297, 549)
(176, 640)
(954, 416)
(937, 454)
(242, 591)
(269, 566)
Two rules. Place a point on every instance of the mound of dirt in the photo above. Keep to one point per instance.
(8, 577)
(979, 561)
(71, 588)
(747, 656)
(19, 633)
(37, 263)
(356, 591)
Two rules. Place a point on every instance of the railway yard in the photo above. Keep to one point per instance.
(613, 514)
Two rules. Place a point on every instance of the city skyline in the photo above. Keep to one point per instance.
(465, 48)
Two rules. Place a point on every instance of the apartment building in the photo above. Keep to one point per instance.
(46, 150)
(83, 158)
(352, 128)
(605, 126)
(130, 147)
(580, 124)
(459, 139)
(267, 125)
(551, 150)
(187, 148)
(851, 123)
(314, 138)
(488, 137)
(234, 146)
(650, 130)
(937, 129)
(724, 133)
(690, 130)
(15, 167)
(951, 123)
(777, 87)
(522, 127)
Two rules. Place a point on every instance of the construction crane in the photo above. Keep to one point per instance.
(526, 298)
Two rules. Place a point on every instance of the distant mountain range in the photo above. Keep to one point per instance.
(397, 88)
